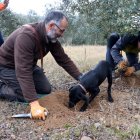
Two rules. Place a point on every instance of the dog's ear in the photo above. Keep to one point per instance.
(71, 88)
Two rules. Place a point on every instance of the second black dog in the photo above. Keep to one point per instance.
(90, 82)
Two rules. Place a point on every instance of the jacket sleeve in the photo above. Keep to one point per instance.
(64, 61)
(115, 51)
(122, 44)
(24, 56)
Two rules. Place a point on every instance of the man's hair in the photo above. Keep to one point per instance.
(57, 16)
(139, 36)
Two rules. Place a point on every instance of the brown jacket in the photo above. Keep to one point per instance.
(20, 52)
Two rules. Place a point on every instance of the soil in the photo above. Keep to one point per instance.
(122, 114)
(100, 108)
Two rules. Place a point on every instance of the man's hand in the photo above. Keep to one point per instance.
(122, 65)
(129, 71)
(37, 111)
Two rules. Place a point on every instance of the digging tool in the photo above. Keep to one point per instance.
(25, 115)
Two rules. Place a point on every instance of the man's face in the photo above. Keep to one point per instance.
(55, 31)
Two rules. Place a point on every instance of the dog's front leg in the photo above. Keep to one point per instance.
(85, 105)
(93, 94)
(110, 99)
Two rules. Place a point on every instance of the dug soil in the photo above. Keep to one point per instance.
(63, 123)
(121, 112)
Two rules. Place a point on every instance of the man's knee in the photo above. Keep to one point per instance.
(46, 90)
(9, 93)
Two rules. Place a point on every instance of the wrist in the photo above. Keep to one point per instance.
(36, 103)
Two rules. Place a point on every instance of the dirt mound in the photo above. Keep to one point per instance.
(132, 81)
(120, 116)
(121, 112)
(59, 113)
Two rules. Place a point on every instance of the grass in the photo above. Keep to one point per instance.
(89, 55)
(84, 58)
(123, 135)
(133, 133)
(100, 133)
(67, 126)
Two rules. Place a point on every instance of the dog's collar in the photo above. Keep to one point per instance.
(83, 88)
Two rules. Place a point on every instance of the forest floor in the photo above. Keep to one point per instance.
(103, 120)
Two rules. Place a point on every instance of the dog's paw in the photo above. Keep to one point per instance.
(110, 100)
(82, 109)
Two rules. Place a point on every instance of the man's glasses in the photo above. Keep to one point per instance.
(61, 30)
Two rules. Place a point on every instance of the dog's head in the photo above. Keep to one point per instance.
(75, 95)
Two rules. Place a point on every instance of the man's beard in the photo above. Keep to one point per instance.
(52, 36)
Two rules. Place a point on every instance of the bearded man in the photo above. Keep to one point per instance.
(20, 77)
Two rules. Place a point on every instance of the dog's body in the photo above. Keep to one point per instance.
(90, 82)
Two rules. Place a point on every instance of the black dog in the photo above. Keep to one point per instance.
(90, 82)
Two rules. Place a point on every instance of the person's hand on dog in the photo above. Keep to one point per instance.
(79, 77)
(122, 65)
(129, 71)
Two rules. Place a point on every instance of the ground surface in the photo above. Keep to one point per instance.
(119, 120)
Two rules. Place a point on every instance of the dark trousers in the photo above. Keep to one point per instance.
(1, 39)
(10, 88)
(131, 57)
